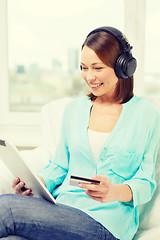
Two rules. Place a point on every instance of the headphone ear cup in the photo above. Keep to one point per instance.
(125, 65)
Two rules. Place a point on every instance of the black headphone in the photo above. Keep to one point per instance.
(126, 64)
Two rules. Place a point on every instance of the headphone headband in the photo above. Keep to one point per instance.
(115, 33)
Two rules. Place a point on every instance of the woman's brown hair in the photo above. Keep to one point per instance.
(107, 48)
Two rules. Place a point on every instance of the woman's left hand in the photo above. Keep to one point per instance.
(103, 192)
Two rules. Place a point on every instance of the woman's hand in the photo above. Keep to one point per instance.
(19, 188)
(106, 191)
(102, 192)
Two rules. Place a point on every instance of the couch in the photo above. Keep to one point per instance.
(51, 118)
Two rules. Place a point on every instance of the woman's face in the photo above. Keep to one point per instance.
(100, 78)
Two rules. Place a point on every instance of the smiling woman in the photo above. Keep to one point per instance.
(124, 164)
(125, 128)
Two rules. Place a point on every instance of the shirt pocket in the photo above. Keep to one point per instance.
(124, 163)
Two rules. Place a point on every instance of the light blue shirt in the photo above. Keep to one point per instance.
(127, 157)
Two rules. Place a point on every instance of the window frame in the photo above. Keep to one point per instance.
(17, 126)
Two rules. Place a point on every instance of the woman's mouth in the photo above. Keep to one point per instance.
(95, 86)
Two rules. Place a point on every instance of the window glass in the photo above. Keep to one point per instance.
(152, 49)
(44, 42)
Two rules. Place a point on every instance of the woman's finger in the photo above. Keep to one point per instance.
(27, 192)
(94, 193)
(99, 199)
(15, 182)
(18, 187)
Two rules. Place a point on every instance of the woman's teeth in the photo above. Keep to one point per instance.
(95, 85)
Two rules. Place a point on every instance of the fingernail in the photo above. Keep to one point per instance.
(80, 185)
(94, 177)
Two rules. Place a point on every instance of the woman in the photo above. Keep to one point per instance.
(110, 135)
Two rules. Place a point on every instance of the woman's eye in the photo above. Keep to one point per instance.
(99, 68)
(83, 68)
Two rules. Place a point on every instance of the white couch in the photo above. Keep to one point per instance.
(149, 228)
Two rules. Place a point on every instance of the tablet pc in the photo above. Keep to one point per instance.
(13, 160)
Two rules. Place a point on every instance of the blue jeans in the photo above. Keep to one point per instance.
(37, 219)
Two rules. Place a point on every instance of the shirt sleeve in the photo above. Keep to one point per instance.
(143, 182)
(55, 172)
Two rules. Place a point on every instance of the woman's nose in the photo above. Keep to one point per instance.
(90, 75)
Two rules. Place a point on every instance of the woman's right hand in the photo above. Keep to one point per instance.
(19, 187)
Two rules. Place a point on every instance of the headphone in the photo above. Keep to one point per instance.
(125, 64)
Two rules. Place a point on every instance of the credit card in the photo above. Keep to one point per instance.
(76, 180)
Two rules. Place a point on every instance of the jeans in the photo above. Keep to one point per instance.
(13, 237)
(23, 217)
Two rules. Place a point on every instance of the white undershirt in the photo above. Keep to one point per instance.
(96, 141)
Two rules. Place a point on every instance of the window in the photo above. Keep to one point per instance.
(40, 45)
(44, 41)
(152, 49)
